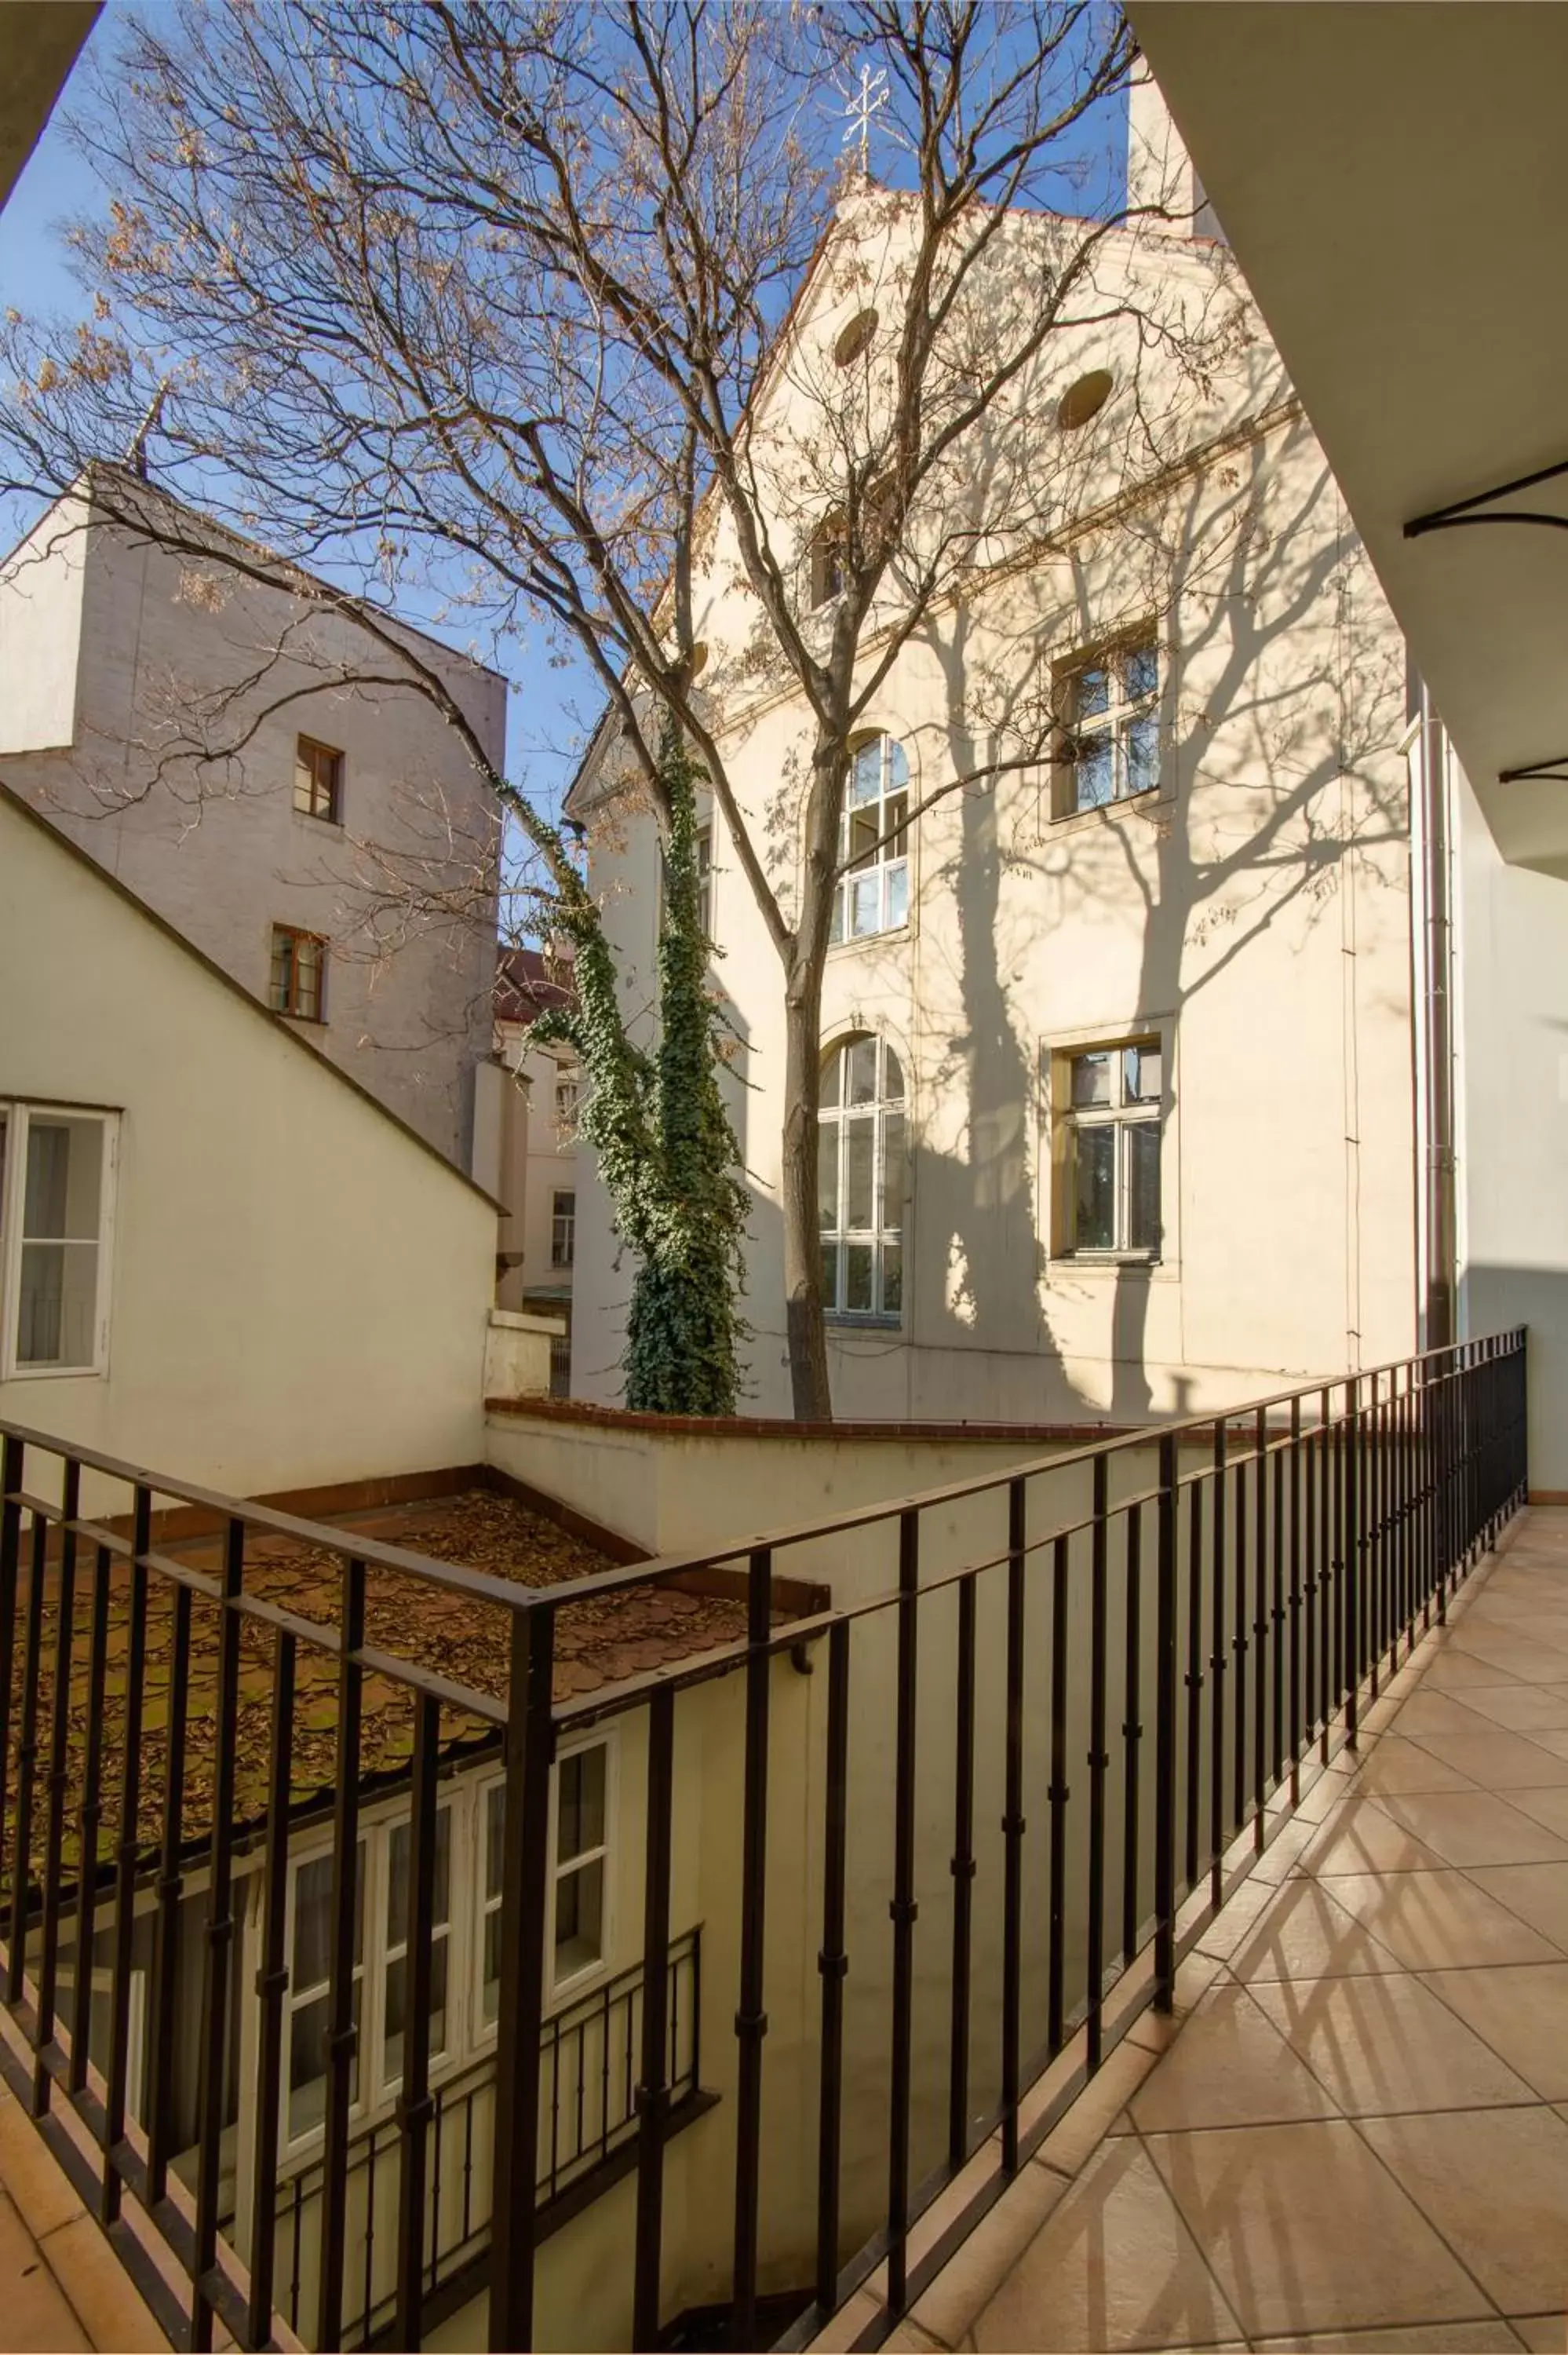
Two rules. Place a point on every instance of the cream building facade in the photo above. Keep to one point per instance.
(1116, 1043)
(197, 730)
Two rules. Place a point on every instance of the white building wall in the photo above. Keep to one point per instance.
(299, 1287)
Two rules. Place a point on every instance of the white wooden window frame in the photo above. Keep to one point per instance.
(875, 1112)
(888, 868)
(1114, 724)
(1119, 1114)
(17, 1114)
(559, 1991)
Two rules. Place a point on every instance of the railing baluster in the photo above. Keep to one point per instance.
(1277, 1616)
(1239, 1649)
(833, 1962)
(1131, 1732)
(1296, 1668)
(13, 1466)
(414, 2104)
(162, 2005)
(216, 1959)
(1058, 1793)
(963, 1872)
(902, 1910)
(1326, 1606)
(1013, 1825)
(530, 1748)
(54, 1837)
(27, 1761)
(125, 1863)
(1165, 1734)
(1260, 1632)
(653, 2092)
(271, 1984)
(346, 1902)
(1098, 1762)
(1218, 1665)
(1193, 1678)
(88, 1822)
(1350, 1559)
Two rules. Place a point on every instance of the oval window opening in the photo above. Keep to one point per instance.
(855, 338)
(699, 658)
(1084, 399)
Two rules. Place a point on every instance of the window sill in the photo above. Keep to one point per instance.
(1113, 1263)
(846, 1320)
(1154, 797)
(869, 940)
(313, 1022)
(54, 1373)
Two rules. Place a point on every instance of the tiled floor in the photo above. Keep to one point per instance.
(1357, 2134)
(62, 2285)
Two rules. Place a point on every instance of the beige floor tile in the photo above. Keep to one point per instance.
(1113, 2267)
(1229, 2067)
(848, 2323)
(1533, 1661)
(100, 2289)
(1396, 1764)
(1235, 1918)
(1523, 1709)
(1106, 2093)
(33, 2313)
(1547, 2334)
(1438, 1921)
(1547, 1808)
(1306, 1933)
(1364, 1837)
(1495, 2184)
(1538, 1893)
(1521, 2011)
(1389, 2044)
(977, 2270)
(1496, 1759)
(1437, 1713)
(1462, 1664)
(908, 2340)
(1413, 2338)
(36, 2182)
(1475, 1828)
(1551, 1739)
(1306, 2231)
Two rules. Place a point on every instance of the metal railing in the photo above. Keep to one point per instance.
(1156, 1635)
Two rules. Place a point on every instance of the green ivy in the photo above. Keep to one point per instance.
(664, 1146)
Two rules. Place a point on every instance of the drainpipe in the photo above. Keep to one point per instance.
(1437, 1172)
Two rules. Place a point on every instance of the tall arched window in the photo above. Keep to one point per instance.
(862, 1167)
(874, 843)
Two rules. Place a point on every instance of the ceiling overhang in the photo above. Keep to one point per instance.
(39, 42)
(1391, 179)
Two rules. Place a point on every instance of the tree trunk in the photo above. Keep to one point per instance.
(812, 1401)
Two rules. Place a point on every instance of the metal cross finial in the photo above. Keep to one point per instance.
(859, 107)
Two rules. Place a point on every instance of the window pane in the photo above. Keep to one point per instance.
(865, 772)
(1142, 1184)
(1140, 672)
(494, 1825)
(891, 1077)
(898, 896)
(859, 1143)
(57, 1308)
(1094, 772)
(863, 1071)
(866, 831)
(307, 2064)
(897, 766)
(892, 1278)
(582, 1824)
(836, 928)
(830, 1275)
(399, 1864)
(312, 1920)
(398, 2007)
(1091, 691)
(579, 1919)
(864, 892)
(828, 1176)
(282, 970)
(1140, 1074)
(63, 1189)
(893, 1171)
(895, 818)
(857, 1277)
(1094, 1210)
(1091, 1079)
(1141, 750)
(831, 1079)
(491, 1992)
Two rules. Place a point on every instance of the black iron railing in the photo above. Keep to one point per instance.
(589, 2057)
(1155, 1637)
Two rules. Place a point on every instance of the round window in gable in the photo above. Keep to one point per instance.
(1083, 400)
(699, 658)
(855, 338)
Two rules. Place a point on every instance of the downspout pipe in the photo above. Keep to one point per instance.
(1435, 1142)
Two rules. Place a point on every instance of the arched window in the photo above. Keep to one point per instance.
(874, 843)
(861, 1179)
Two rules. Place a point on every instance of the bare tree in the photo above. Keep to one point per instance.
(507, 297)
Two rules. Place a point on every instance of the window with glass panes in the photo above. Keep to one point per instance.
(861, 1170)
(56, 1189)
(299, 970)
(1113, 1107)
(1112, 723)
(874, 844)
(578, 1925)
(318, 779)
(563, 1230)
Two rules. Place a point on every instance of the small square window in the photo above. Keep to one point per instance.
(298, 984)
(318, 780)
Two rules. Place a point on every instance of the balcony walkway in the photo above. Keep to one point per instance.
(62, 2288)
(1354, 2134)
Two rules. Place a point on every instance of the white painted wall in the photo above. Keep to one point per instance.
(299, 1286)
(107, 647)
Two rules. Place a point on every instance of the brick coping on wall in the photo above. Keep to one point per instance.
(741, 1426)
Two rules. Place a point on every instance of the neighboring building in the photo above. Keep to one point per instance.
(1113, 1044)
(216, 1249)
(329, 847)
(538, 1183)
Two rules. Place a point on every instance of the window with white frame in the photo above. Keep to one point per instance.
(578, 1926)
(861, 1172)
(873, 894)
(57, 1182)
(562, 1229)
(1111, 726)
(1113, 1137)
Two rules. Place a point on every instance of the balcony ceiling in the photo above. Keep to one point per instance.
(1391, 180)
(41, 41)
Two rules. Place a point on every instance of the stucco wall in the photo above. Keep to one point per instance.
(300, 1288)
(136, 638)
